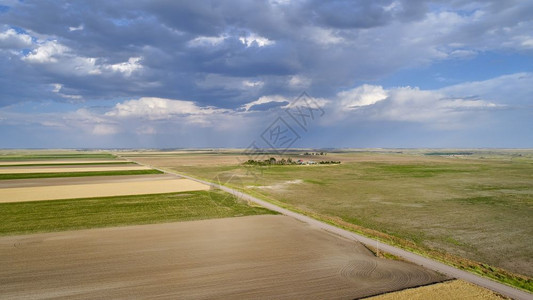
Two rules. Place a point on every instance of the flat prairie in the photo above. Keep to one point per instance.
(477, 206)
(259, 257)
(39, 193)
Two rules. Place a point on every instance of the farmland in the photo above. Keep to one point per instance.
(76, 174)
(114, 227)
(98, 190)
(83, 193)
(59, 215)
(247, 257)
(473, 211)
(62, 163)
(69, 169)
(42, 155)
(94, 212)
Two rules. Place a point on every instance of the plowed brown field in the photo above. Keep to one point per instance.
(259, 257)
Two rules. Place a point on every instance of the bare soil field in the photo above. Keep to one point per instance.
(38, 193)
(260, 257)
(449, 290)
(60, 169)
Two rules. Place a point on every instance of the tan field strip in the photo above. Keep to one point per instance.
(449, 290)
(257, 257)
(15, 183)
(81, 162)
(38, 193)
(56, 169)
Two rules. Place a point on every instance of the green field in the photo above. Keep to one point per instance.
(68, 164)
(58, 215)
(47, 156)
(474, 211)
(77, 174)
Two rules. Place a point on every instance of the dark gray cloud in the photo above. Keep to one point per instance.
(344, 14)
(182, 46)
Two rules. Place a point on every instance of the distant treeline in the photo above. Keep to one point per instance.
(314, 153)
(449, 153)
(329, 162)
(288, 161)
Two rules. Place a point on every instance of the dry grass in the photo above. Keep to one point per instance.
(449, 290)
(13, 183)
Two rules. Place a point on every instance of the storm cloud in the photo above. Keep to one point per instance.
(91, 60)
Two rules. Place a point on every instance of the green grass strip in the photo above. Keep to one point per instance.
(57, 156)
(60, 215)
(69, 164)
(77, 174)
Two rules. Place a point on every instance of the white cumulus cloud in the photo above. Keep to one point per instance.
(299, 82)
(62, 60)
(253, 39)
(452, 107)
(10, 39)
(361, 96)
(47, 52)
(71, 28)
(127, 68)
(265, 100)
(159, 108)
(207, 41)
(252, 84)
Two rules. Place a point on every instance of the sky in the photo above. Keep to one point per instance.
(266, 74)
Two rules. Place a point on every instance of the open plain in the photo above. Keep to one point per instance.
(261, 257)
(473, 211)
(257, 255)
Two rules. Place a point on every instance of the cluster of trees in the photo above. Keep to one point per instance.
(329, 162)
(315, 153)
(271, 161)
(449, 153)
(288, 161)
